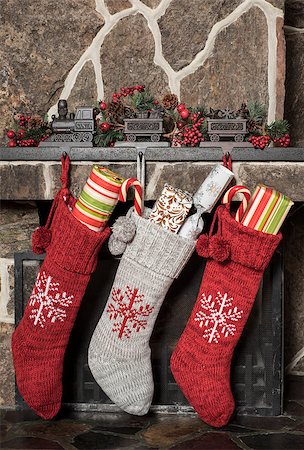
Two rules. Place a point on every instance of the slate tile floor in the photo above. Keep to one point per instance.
(98, 431)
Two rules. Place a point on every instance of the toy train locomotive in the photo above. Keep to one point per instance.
(76, 129)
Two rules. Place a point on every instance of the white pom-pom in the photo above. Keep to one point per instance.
(124, 229)
(116, 246)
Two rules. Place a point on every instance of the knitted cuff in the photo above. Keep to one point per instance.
(74, 246)
(248, 247)
(159, 249)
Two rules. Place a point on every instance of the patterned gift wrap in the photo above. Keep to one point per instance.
(267, 210)
(98, 198)
(171, 208)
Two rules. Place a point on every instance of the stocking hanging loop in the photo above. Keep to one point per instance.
(65, 165)
(227, 161)
(42, 236)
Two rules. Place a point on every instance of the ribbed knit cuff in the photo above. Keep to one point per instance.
(74, 246)
(249, 247)
(159, 249)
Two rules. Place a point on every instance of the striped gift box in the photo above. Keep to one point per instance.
(98, 198)
(267, 210)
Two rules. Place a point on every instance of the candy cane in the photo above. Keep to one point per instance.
(246, 197)
(138, 193)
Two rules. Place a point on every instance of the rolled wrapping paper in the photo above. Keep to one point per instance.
(193, 226)
(267, 210)
(171, 209)
(205, 198)
(98, 198)
(212, 188)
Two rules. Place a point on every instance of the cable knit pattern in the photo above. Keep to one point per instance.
(40, 340)
(201, 360)
(119, 352)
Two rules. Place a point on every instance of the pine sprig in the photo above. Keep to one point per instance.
(202, 110)
(277, 129)
(142, 101)
(106, 139)
(257, 113)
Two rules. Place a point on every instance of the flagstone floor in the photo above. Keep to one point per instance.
(98, 431)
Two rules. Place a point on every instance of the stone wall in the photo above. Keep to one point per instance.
(216, 53)
(17, 223)
(294, 102)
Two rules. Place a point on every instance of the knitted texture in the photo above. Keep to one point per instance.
(119, 352)
(41, 338)
(201, 360)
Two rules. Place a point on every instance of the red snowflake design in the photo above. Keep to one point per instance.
(128, 312)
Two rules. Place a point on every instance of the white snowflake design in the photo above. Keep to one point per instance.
(213, 187)
(217, 320)
(48, 302)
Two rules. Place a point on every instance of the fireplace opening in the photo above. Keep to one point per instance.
(257, 367)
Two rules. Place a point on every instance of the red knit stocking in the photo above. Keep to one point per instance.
(41, 338)
(201, 360)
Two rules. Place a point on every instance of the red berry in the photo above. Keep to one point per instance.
(103, 106)
(10, 134)
(184, 113)
(104, 126)
(20, 133)
(12, 143)
(181, 107)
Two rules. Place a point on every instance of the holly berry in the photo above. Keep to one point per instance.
(102, 106)
(104, 126)
(181, 107)
(260, 141)
(27, 143)
(10, 134)
(20, 134)
(284, 141)
(184, 113)
(12, 143)
(180, 125)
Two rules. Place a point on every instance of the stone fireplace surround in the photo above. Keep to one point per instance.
(31, 175)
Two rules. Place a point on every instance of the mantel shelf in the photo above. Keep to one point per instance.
(121, 154)
(34, 173)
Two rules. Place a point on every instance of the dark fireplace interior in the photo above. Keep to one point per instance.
(257, 369)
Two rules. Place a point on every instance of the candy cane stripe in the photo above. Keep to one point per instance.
(246, 197)
(138, 193)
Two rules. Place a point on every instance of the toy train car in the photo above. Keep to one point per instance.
(150, 127)
(235, 128)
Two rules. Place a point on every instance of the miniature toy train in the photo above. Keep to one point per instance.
(235, 128)
(149, 127)
(144, 124)
(77, 128)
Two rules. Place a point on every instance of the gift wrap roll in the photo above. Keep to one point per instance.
(267, 210)
(205, 198)
(212, 188)
(98, 198)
